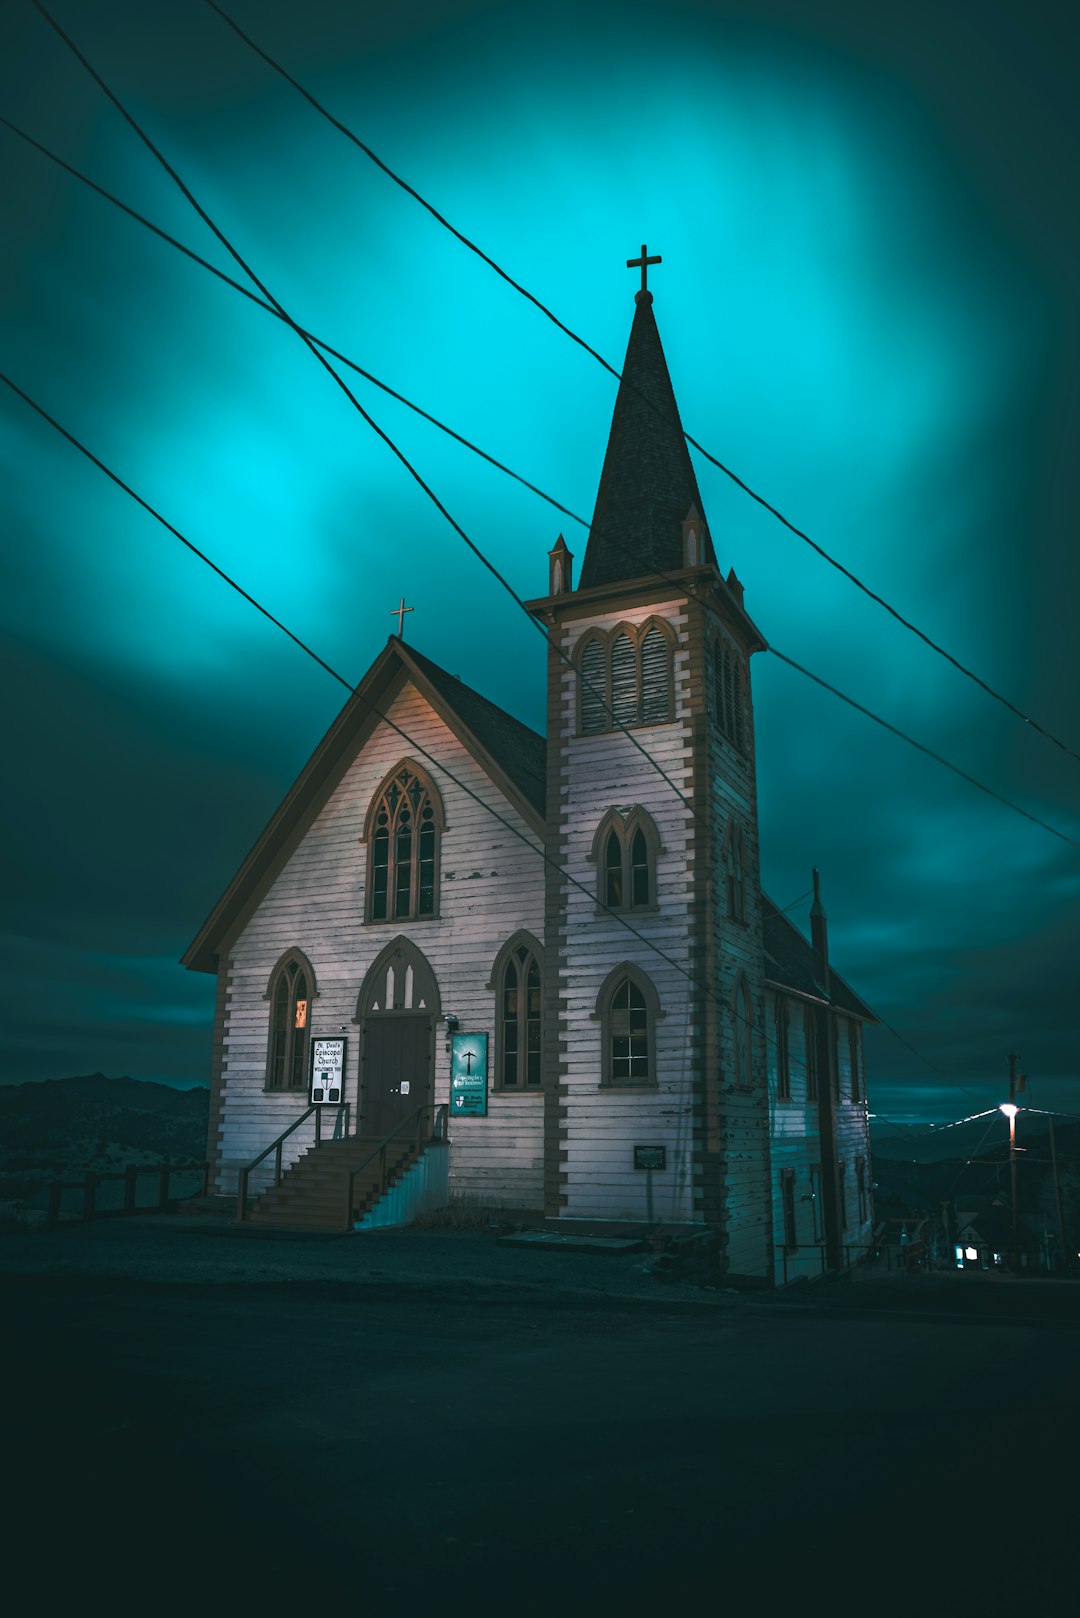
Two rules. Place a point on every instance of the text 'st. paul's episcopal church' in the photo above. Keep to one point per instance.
(546, 970)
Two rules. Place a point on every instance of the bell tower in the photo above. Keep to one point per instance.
(654, 1050)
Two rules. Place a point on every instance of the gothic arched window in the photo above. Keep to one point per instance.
(628, 1009)
(625, 849)
(733, 860)
(290, 994)
(518, 983)
(655, 678)
(742, 1017)
(403, 828)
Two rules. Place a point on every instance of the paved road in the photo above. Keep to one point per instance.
(515, 1447)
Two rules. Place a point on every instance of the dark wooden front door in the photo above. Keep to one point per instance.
(397, 1070)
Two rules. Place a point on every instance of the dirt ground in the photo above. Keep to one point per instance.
(433, 1423)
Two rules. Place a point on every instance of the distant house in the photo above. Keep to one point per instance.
(579, 920)
(984, 1235)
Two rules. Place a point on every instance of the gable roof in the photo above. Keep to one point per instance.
(509, 753)
(790, 963)
(521, 751)
(647, 485)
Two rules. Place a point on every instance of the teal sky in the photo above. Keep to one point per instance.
(867, 299)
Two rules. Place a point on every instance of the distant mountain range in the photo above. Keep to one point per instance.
(70, 1126)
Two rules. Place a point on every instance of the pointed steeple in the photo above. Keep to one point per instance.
(647, 486)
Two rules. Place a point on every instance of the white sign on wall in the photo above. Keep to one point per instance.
(327, 1070)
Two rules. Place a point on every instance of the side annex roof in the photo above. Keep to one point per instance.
(510, 754)
(790, 963)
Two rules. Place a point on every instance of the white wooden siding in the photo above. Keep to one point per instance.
(491, 885)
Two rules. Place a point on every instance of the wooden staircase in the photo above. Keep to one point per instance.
(311, 1194)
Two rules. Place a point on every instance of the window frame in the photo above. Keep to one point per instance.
(291, 968)
(603, 723)
(371, 835)
(625, 828)
(507, 956)
(626, 971)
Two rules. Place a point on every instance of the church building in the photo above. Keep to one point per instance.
(468, 963)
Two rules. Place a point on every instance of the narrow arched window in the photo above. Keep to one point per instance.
(613, 870)
(629, 1035)
(743, 1030)
(518, 990)
(594, 715)
(655, 679)
(639, 870)
(290, 1020)
(625, 850)
(403, 862)
(624, 685)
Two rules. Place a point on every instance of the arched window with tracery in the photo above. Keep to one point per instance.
(290, 995)
(742, 1016)
(518, 983)
(625, 849)
(628, 1009)
(404, 825)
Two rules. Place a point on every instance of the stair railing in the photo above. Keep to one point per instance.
(414, 1122)
(341, 1127)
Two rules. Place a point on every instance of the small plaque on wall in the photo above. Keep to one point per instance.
(650, 1157)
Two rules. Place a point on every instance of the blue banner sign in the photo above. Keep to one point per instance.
(468, 1075)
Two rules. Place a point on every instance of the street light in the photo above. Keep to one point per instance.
(1010, 1109)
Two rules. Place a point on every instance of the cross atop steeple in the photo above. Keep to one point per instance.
(399, 613)
(643, 263)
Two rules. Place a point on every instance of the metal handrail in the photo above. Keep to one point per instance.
(318, 1108)
(438, 1132)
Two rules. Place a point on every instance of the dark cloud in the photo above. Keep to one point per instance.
(868, 306)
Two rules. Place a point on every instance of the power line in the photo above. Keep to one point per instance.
(590, 893)
(311, 341)
(740, 483)
(269, 308)
(354, 401)
(955, 768)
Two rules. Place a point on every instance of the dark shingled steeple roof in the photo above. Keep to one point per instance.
(648, 483)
